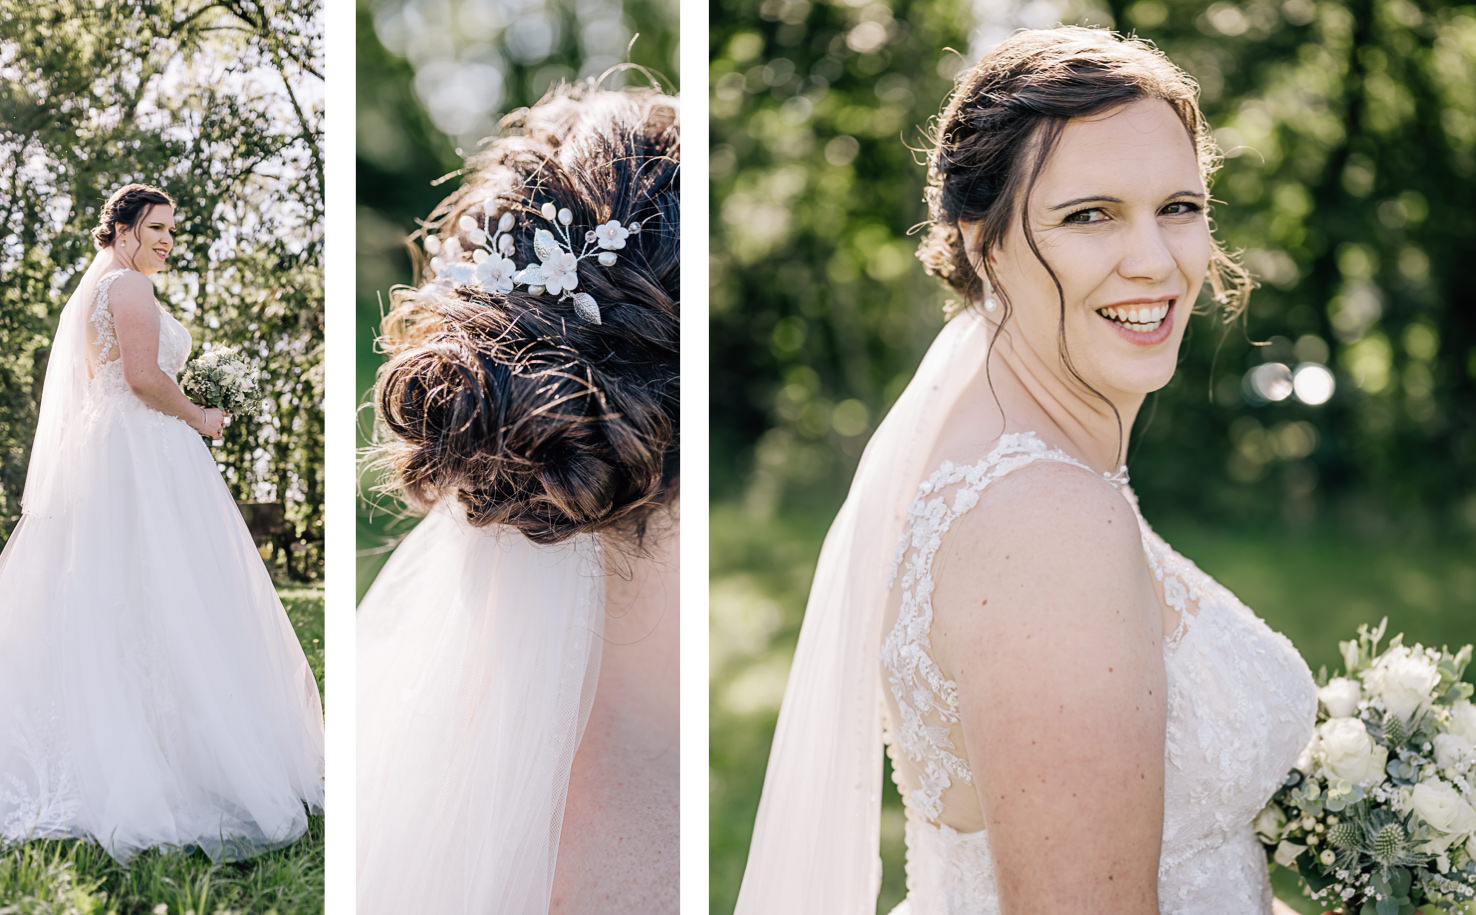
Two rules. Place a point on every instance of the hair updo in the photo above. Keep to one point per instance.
(530, 415)
(124, 208)
(1003, 119)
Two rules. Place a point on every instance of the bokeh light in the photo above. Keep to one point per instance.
(1313, 384)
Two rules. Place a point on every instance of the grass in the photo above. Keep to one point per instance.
(73, 877)
(1315, 586)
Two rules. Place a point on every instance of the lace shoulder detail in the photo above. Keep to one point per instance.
(101, 318)
(926, 699)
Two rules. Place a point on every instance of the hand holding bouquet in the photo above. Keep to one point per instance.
(1379, 815)
(221, 378)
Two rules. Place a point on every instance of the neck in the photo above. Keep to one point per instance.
(1046, 399)
(112, 259)
(639, 673)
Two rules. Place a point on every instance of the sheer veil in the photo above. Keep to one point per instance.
(54, 450)
(478, 654)
(815, 844)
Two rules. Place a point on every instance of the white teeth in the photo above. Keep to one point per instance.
(1141, 319)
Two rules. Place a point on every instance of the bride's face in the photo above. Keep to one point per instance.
(146, 245)
(1118, 212)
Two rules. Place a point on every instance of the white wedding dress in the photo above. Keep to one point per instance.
(152, 690)
(1241, 706)
(1241, 702)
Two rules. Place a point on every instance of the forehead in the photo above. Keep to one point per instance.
(1137, 149)
(156, 213)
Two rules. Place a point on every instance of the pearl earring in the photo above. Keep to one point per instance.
(991, 304)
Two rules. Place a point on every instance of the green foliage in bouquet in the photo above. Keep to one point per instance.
(221, 378)
(1379, 814)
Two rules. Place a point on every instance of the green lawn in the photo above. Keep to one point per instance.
(1316, 587)
(71, 877)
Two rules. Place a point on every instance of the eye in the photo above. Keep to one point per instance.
(1182, 208)
(1087, 216)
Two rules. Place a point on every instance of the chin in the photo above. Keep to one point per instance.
(1142, 380)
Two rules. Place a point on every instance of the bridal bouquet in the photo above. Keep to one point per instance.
(221, 378)
(1379, 814)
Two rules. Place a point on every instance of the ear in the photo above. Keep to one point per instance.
(973, 242)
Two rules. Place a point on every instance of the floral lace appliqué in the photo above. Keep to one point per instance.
(109, 390)
(1241, 705)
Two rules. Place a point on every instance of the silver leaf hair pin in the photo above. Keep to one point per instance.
(491, 268)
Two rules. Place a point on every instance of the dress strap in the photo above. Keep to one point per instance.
(101, 318)
(926, 698)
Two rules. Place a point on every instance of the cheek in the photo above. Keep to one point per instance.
(1192, 252)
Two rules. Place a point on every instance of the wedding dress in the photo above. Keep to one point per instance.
(1241, 702)
(152, 690)
(1241, 706)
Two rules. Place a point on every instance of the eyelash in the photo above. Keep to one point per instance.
(1191, 205)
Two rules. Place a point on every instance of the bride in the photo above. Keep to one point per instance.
(1078, 718)
(152, 690)
(517, 655)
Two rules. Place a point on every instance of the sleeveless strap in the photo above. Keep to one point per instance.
(101, 318)
(926, 698)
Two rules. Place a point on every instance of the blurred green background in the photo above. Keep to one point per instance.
(1349, 132)
(222, 106)
(434, 78)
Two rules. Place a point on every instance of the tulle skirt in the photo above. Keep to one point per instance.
(152, 690)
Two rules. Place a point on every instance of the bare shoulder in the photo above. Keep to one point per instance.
(1050, 560)
(132, 293)
(1046, 618)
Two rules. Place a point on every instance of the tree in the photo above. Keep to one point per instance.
(220, 103)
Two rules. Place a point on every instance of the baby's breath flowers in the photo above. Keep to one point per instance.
(1379, 815)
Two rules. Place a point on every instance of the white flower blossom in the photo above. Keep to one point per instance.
(1340, 697)
(495, 274)
(560, 271)
(1405, 679)
(611, 236)
(1442, 806)
(1348, 752)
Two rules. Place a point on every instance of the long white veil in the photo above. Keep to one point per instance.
(63, 394)
(815, 844)
(478, 657)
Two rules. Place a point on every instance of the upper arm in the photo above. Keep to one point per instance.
(1045, 615)
(135, 321)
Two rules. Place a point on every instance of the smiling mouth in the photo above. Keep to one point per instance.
(1143, 319)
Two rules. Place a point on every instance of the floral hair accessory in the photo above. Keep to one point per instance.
(492, 269)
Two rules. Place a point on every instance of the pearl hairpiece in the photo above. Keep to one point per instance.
(491, 268)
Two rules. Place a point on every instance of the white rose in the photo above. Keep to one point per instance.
(1451, 749)
(1269, 823)
(1340, 697)
(1443, 808)
(1349, 753)
(1463, 721)
(1405, 679)
(1471, 848)
(1286, 854)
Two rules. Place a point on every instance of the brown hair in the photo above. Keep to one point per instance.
(124, 209)
(532, 416)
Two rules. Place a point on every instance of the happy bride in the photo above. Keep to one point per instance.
(1079, 719)
(152, 690)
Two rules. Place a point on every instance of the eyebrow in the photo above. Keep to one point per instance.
(1080, 200)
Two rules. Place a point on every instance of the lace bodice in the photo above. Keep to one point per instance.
(1241, 705)
(107, 367)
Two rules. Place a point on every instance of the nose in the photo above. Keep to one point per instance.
(1147, 255)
